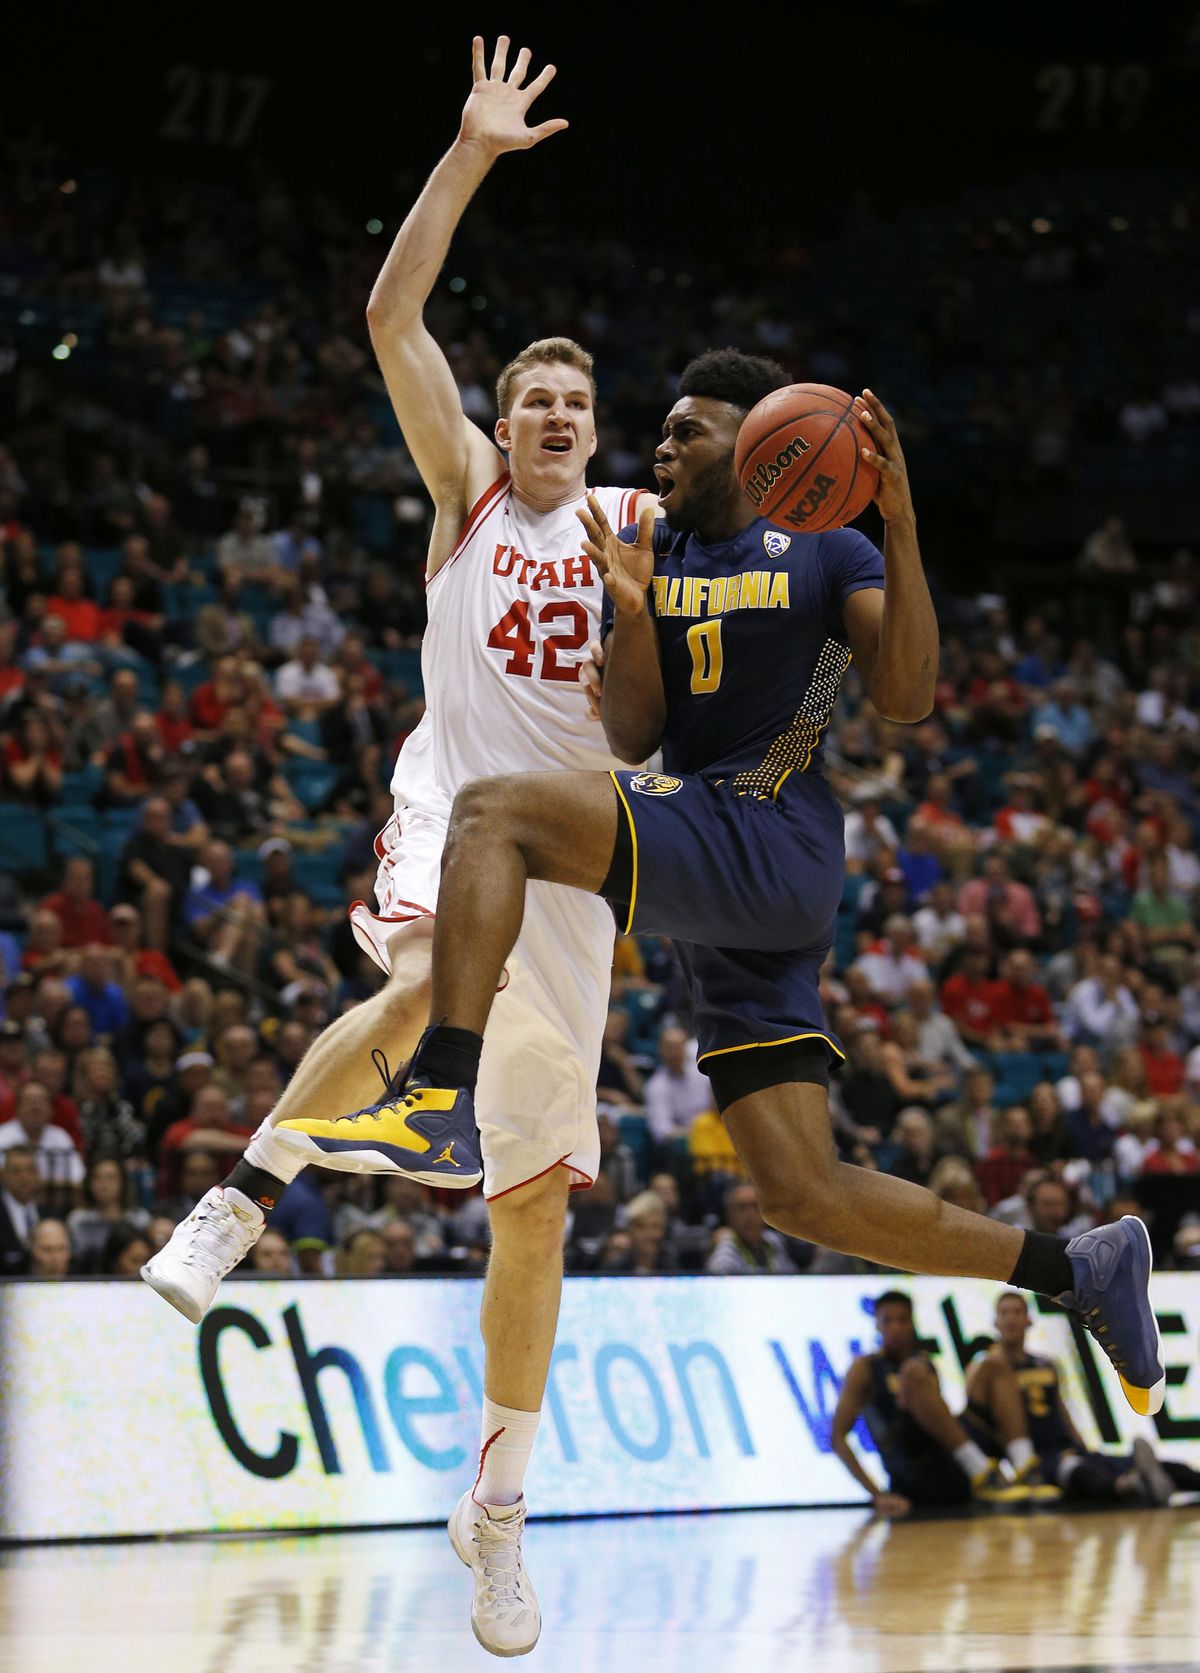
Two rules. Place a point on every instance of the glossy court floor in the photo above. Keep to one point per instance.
(813, 1590)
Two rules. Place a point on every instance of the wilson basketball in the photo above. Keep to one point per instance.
(799, 458)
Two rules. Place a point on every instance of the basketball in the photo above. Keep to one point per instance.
(799, 458)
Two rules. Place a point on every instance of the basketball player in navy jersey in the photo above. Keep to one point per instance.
(729, 639)
(1140, 1477)
(932, 1460)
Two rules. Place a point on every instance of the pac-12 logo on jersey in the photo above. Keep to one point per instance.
(655, 784)
(776, 542)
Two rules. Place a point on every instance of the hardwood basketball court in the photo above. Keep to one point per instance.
(823, 1590)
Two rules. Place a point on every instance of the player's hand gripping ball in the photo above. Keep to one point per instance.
(799, 458)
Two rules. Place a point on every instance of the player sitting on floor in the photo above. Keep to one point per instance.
(1138, 1478)
(930, 1459)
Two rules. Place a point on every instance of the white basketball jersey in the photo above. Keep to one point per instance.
(511, 614)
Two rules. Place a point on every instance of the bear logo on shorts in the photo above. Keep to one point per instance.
(655, 784)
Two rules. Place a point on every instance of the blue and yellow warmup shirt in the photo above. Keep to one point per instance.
(754, 647)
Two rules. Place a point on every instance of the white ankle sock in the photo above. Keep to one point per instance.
(505, 1447)
(972, 1459)
(1020, 1452)
(267, 1152)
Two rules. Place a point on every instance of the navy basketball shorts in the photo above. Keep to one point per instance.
(748, 891)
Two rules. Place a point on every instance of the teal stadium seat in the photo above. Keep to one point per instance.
(22, 839)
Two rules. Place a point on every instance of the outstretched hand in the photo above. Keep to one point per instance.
(627, 570)
(494, 115)
(893, 497)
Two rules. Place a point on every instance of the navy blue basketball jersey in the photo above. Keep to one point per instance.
(754, 647)
(1037, 1379)
(889, 1425)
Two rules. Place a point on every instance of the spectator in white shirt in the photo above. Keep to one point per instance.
(246, 551)
(938, 924)
(1183, 863)
(1101, 1011)
(59, 1163)
(869, 833)
(306, 683)
(894, 966)
(677, 1092)
(938, 1040)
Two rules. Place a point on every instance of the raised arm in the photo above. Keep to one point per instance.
(456, 460)
(633, 707)
(894, 634)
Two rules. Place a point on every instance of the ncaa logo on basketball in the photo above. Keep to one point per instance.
(655, 784)
(776, 542)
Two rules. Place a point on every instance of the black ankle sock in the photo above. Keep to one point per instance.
(449, 1056)
(1042, 1265)
(256, 1183)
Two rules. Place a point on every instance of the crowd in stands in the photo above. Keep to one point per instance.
(210, 617)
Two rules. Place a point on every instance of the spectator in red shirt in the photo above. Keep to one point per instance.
(1021, 820)
(1027, 1021)
(1006, 1163)
(174, 727)
(1164, 1067)
(81, 914)
(134, 959)
(44, 953)
(32, 765)
(134, 765)
(209, 1127)
(50, 1070)
(75, 905)
(213, 699)
(1008, 906)
(351, 658)
(14, 1065)
(1171, 1151)
(82, 617)
(974, 1002)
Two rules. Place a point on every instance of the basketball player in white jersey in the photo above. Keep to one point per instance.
(513, 604)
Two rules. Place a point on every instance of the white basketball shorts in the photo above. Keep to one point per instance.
(536, 1097)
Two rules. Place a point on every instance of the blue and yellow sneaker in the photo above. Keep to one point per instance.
(425, 1132)
(1111, 1298)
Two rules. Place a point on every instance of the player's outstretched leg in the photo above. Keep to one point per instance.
(228, 1220)
(519, 1318)
(560, 827)
(783, 1136)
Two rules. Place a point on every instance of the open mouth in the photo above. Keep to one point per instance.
(556, 444)
(666, 484)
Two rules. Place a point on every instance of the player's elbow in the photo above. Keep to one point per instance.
(903, 708)
(631, 745)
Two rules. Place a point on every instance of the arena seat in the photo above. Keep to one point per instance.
(23, 839)
(312, 781)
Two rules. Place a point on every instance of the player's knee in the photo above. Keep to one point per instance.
(482, 805)
(915, 1377)
(532, 1219)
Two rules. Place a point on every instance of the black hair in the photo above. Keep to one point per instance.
(890, 1297)
(119, 1239)
(729, 375)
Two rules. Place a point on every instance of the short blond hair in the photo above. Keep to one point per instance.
(554, 351)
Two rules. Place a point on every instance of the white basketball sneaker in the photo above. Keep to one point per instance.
(505, 1617)
(219, 1232)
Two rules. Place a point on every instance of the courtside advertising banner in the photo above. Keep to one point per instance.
(351, 1403)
